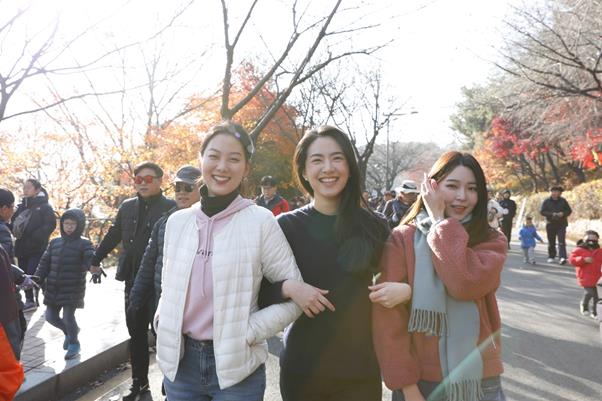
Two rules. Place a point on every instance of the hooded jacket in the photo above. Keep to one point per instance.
(65, 263)
(527, 236)
(588, 274)
(132, 232)
(249, 246)
(41, 224)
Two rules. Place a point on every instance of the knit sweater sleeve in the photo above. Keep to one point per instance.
(392, 341)
(468, 273)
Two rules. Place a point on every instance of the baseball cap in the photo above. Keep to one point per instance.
(268, 181)
(408, 187)
(188, 174)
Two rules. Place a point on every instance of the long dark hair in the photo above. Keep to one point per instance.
(357, 229)
(478, 227)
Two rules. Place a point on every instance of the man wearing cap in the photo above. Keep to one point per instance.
(507, 218)
(132, 228)
(556, 210)
(396, 208)
(269, 198)
(147, 285)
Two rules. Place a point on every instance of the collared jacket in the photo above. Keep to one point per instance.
(551, 206)
(147, 285)
(248, 247)
(41, 224)
(468, 273)
(132, 233)
(65, 263)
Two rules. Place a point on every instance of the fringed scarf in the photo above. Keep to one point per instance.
(455, 322)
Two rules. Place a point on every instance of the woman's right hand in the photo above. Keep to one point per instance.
(412, 393)
(390, 294)
(311, 300)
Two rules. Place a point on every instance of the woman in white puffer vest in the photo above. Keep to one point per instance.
(211, 335)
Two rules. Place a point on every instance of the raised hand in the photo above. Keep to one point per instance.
(433, 200)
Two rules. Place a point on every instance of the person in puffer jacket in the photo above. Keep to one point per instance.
(211, 334)
(147, 285)
(587, 259)
(63, 270)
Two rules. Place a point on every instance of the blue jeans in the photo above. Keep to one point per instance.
(196, 379)
(66, 324)
(492, 390)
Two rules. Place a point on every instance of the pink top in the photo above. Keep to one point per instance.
(198, 311)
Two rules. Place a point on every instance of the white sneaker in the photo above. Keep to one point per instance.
(562, 261)
(550, 260)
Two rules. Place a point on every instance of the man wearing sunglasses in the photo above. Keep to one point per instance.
(132, 228)
(147, 286)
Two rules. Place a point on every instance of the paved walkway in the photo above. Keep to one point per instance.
(103, 338)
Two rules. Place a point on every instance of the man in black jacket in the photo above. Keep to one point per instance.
(556, 210)
(132, 227)
(147, 286)
(507, 218)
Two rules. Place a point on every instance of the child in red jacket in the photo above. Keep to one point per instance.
(587, 259)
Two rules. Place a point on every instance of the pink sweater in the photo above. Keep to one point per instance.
(198, 311)
(467, 273)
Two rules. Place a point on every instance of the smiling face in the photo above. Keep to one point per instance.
(185, 199)
(459, 190)
(326, 170)
(223, 164)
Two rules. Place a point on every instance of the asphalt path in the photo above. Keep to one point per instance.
(551, 352)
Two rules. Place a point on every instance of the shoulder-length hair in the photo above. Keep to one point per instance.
(478, 227)
(354, 218)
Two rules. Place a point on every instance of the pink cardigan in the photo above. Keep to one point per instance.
(467, 273)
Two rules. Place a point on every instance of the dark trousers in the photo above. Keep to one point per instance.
(554, 230)
(301, 388)
(29, 264)
(590, 293)
(507, 229)
(66, 324)
(138, 328)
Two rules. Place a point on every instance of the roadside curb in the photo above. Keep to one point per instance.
(54, 386)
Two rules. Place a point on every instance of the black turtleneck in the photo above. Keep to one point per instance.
(212, 205)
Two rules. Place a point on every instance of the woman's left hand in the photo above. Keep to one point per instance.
(390, 294)
(432, 198)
